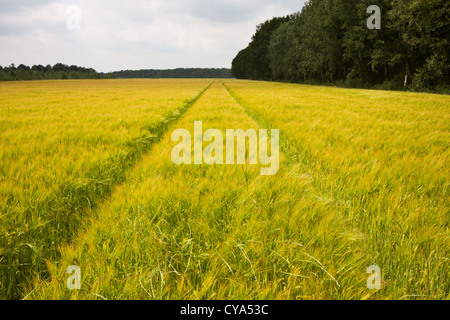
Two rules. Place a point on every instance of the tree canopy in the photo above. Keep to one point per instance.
(62, 71)
(328, 41)
(40, 72)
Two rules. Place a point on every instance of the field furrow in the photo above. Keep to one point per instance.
(71, 152)
(208, 231)
(381, 161)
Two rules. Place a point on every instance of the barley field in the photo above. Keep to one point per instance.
(87, 179)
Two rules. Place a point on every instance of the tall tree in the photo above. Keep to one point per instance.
(254, 61)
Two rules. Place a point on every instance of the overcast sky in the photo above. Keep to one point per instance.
(111, 35)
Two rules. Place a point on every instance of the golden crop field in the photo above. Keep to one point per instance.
(87, 179)
(63, 145)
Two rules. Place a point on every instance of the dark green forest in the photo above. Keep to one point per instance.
(329, 42)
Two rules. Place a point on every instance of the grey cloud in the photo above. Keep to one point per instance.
(118, 34)
(8, 6)
(235, 10)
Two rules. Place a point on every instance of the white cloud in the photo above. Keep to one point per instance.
(117, 35)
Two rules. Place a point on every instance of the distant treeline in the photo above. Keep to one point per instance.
(63, 71)
(175, 73)
(40, 72)
(329, 42)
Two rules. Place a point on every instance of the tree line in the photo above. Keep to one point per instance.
(175, 73)
(48, 72)
(63, 71)
(329, 42)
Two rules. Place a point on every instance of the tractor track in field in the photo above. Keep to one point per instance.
(108, 211)
(294, 151)
(61, 213)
